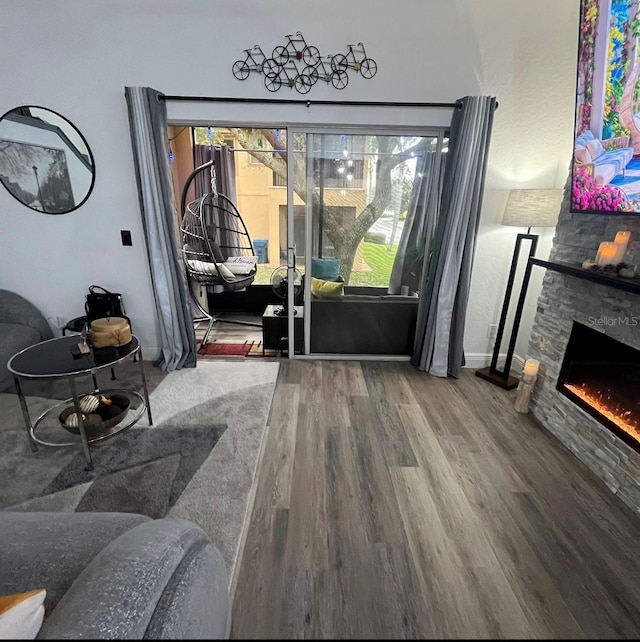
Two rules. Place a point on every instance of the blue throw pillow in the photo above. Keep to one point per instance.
(325, 269)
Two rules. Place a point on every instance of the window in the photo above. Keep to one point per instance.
(279, 181)
(339, 172)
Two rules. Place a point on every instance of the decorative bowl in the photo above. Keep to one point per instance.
(100, 422)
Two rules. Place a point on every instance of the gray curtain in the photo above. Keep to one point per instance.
(202, 181)
(420, 224)
(225, 166)
(225, 169)
(148, 125)
(444, 293)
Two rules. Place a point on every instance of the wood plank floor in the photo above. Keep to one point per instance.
(392, 504)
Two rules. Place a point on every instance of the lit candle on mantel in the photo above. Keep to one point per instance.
(621, 241)
(531, 367)
(606, 253)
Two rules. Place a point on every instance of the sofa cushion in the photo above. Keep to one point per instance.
(325, 269)
(581, 154)
(13, 338)
(610, 164)
(50, 550)
(584, 138)
(360, 324)
(207, 267)
(16, 309)
(162, 579)
(595, 149)
(322, 288)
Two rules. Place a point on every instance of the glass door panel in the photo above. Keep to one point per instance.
(369, 211)
(297, 198)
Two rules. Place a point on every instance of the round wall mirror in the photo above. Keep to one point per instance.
(45, 161)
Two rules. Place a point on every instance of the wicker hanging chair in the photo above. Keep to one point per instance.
(213, 237)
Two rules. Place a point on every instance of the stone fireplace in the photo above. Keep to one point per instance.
(606, 322)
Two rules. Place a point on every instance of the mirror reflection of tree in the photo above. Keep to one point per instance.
(16, 159)
(36, 176)
(56, 186)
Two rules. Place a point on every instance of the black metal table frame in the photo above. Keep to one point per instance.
(33, 439)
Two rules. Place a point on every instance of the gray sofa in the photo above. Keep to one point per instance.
(21, 325)
(603, 159)
(365, 320)
(116, 575)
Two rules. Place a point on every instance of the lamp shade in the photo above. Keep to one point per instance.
(532, 207)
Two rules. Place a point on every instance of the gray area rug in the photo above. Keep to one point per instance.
(197, 462)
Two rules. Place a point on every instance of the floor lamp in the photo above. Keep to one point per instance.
(525, 208)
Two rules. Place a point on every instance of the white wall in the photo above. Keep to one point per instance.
(80, 55)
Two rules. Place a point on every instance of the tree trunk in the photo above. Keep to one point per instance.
(345, 239)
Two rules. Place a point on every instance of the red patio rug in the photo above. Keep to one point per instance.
(226, 349)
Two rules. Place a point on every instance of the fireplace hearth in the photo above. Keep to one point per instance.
(602, 376)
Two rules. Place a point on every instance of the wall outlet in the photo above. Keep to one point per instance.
(492, 331)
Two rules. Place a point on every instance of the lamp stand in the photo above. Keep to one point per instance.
(502, 377)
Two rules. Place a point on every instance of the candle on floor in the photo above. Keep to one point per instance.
(527, 382)
(531, 367)
(621, 241)
(606, 253)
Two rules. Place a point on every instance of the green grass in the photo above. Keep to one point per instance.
(380, 260)
(263, 275)
(377, 257)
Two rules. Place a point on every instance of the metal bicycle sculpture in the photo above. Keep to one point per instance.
(288, 75)
(299, 66)
(253, 61)
(356, 59)
(323, 70)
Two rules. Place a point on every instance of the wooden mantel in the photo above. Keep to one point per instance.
(596, 276)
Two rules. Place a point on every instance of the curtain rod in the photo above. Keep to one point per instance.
(308, 103)
(340, 154)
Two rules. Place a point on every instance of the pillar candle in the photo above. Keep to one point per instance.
(531, 367)
(606, 253)
(621, 241)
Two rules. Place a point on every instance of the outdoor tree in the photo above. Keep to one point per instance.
(345, 235)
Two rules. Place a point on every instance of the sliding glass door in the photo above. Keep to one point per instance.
(370, 204)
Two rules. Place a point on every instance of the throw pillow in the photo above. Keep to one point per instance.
(325, 269)
(324, 288)
(582, 155)
(21, 615)
(241, 265)
(204, 267)
(594, 147)
(225, 271)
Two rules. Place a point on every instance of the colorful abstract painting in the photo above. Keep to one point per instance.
(606, 156)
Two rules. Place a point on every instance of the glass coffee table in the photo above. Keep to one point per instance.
(61, 359)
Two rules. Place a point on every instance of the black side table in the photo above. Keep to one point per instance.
(75, 326)
(59, 359)
(275, 330)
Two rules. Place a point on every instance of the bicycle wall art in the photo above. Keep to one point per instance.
(299, 66)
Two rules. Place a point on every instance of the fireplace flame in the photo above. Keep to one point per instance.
(621, 417)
